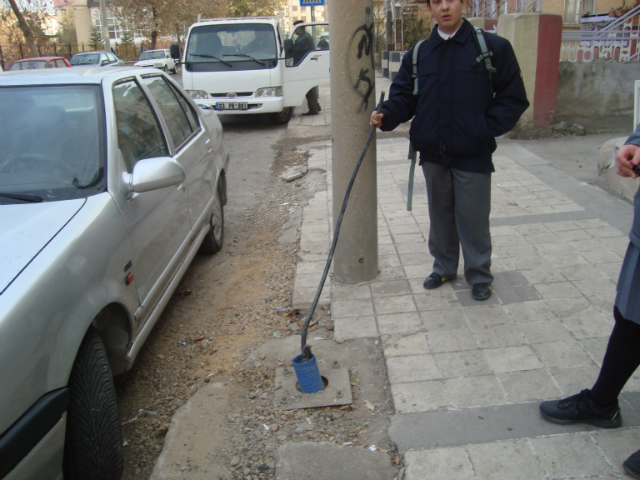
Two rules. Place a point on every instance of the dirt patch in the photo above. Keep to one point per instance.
(224, 308)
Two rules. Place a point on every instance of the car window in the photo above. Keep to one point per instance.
(188, 109)
(28, 65)
(60, 63)
(139, 135)
(111, 57)
(85, 59)
(179, 125)
(52, 141)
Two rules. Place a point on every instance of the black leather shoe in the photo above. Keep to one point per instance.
(632, 465)
(580, 409)
(310, 113)
(481, 291)
(436, 280)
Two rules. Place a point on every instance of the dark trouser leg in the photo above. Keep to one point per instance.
(312, 100)
(620, 361)
(444, 244)
(472, 208)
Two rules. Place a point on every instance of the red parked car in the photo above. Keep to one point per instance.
(39, 62)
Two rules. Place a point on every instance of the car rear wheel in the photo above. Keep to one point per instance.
(93, 444)
(212, 242)
(280, 118)
(175, 69)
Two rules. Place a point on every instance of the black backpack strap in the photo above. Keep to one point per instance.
(485, 55)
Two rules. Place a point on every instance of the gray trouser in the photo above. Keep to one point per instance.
(459, 207)
(312, 100)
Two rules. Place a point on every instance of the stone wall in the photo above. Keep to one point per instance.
(593, 93)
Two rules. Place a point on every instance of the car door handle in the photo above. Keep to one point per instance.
(315, 58)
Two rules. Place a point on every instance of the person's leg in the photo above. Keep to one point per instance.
(472, 208)
(621, 359)
(444, 244)
(312, 101)
(599, 406)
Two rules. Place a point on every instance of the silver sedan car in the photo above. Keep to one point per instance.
(111, 180)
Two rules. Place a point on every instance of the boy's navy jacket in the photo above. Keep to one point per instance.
(456, 117)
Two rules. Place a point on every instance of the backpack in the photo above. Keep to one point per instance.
(485, 55)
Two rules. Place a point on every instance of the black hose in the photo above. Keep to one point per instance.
(306, 349)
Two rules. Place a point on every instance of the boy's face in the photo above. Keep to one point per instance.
(448, 14)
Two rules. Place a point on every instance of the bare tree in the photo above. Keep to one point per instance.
(154, 18)
(253, 8)
(26, 28)
(146, 16)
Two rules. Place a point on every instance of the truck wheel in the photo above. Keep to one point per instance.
(212, 242)
(93, 442)
(280, 118)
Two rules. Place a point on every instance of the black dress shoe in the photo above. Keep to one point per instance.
(435, 280)
(581, 409)
(481, 291)
(310, 113)
(632, 465)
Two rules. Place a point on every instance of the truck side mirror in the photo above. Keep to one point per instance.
(288, 48)
(175, 51)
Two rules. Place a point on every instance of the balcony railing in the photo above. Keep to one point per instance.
(493, 8)
(619, 40)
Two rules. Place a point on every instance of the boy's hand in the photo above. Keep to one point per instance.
(627, 157)
(376, 119)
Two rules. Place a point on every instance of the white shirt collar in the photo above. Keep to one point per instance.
(447, 36)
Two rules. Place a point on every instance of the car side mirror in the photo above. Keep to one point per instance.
(288, 48)
(175, 51)
(104, 62)
(155, 173)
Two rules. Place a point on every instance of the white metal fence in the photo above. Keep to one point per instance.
(618, 40)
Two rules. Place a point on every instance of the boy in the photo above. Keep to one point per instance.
(457, 114)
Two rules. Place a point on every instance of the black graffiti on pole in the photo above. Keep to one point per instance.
(364, 35)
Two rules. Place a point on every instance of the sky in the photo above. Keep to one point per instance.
(30, 5)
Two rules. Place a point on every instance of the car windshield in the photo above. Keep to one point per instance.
(28, 65)
(85, 59)
(232, 47)
(152, 55)
(53, 143)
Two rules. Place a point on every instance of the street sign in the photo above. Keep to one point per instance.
(311, 3)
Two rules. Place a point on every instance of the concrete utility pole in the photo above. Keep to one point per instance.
(353, 99)
(105, 25)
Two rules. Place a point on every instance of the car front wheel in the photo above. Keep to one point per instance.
(280, 118)
(212, 242)
(93, 444)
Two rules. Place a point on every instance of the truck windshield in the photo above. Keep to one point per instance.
(232, 47)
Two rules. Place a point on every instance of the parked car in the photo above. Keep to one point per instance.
(96, 59)
(158, 59)
(111, 180)
(35, 63)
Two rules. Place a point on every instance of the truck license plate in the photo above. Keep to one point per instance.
(231, 106)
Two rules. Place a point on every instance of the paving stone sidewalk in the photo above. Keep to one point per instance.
(467, 376)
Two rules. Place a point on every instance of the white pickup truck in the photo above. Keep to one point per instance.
(245, 65)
